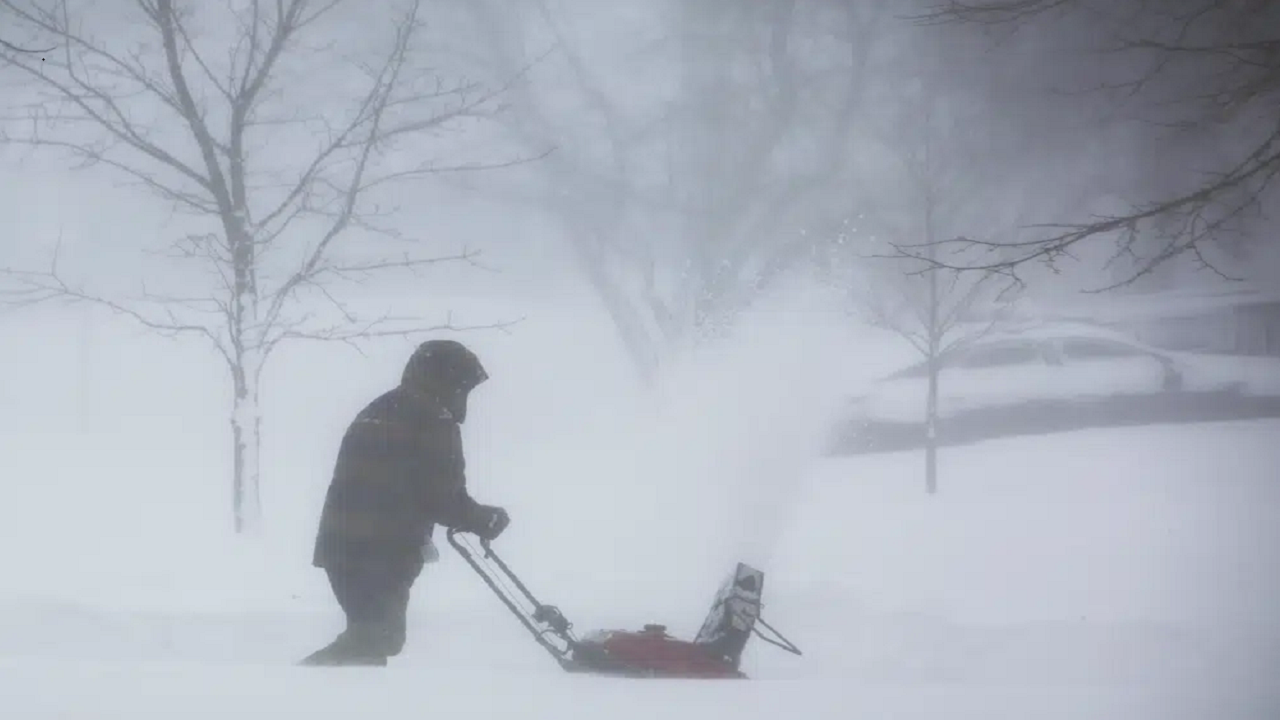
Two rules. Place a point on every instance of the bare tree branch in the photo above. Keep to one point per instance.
(34, 51)
(1194, 215)
(37, 288)
(1005, 11)
(380, 328)
(1204, 65)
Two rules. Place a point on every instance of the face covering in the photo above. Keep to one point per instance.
(456, 404)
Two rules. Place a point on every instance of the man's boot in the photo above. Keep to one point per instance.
(354, 647)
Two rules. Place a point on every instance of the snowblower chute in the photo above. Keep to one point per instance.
(716, 652)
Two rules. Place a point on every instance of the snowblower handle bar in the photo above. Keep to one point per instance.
(549, 616)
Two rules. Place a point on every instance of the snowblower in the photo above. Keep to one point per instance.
(650, 652)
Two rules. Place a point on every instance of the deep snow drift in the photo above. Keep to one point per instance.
(1127, 573)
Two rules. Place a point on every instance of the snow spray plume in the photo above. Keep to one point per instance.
(725, 460)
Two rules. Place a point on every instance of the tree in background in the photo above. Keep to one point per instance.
(1197, 82)
(692, 157)
(935, 164)
(937, 311)
(275, 145)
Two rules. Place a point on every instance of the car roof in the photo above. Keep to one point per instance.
(1061, 331)
(1038, 333)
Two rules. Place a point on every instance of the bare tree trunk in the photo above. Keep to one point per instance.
(246, 433)
(931, 431)
(936, 332)
(641, 347)
(85, 378)
(931, 403)
(246, 416)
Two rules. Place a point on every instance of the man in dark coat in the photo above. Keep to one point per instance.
(400, 472)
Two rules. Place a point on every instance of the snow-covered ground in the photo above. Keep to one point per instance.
(1111, 574)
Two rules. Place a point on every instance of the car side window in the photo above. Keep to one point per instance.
(1092, 349)
(1000, 356)
(915, 371)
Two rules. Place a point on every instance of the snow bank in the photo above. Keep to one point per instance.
(1177, 524)
(1096, 574)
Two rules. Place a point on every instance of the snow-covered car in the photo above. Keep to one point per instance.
(1058, 365)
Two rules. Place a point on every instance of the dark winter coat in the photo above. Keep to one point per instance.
(400, 471)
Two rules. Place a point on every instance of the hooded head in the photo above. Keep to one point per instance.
(444, 371)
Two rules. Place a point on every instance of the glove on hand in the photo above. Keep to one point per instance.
(430, 553)
(490, 521)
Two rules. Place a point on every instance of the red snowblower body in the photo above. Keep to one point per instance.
(650, 652)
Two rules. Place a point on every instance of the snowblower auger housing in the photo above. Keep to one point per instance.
(650, 652)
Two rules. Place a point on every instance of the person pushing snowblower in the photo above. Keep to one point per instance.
(400, 472)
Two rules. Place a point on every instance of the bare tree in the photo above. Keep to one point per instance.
(1206, 72)
(928, 181)
(276, 150)
(685, 198)
(938, 311)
